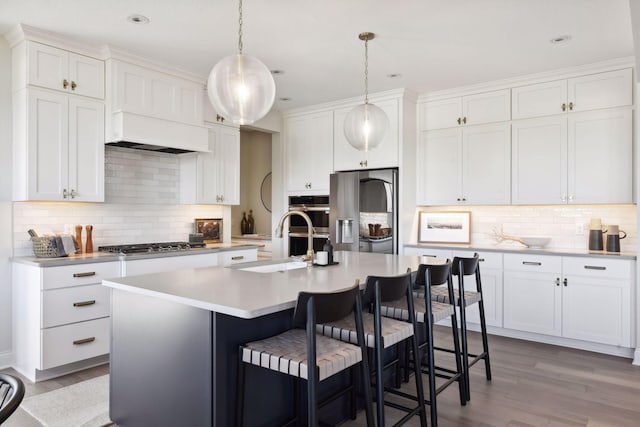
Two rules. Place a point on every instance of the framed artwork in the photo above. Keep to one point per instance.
(444, 227)
(211, 229)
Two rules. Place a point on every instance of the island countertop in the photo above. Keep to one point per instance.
(248, 294)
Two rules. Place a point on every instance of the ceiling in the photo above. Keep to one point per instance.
(432, 44)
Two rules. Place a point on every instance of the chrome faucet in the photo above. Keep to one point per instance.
(310, 231)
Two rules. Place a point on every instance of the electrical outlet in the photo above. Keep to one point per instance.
(580, 229)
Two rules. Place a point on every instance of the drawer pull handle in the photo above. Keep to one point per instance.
(430, 256)
(235, 258)
(84, 341)
(594, 267)
(87, 274)
(481, 259)
(84, 303)
(531, 263)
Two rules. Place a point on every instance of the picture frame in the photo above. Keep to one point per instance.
(444, 227)
(211, 229)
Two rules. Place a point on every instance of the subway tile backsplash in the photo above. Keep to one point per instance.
(141, 205)
(560, 222)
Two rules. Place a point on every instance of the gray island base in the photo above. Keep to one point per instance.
(175, 338)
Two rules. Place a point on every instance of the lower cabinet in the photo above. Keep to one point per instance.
(61, 315)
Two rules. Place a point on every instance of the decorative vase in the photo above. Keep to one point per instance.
(244, 224)
(250, 223)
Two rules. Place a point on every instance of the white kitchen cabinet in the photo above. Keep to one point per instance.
(488, 107)
(213, 177)
(385, 155)
(585, 93)
(579, 158)
(134, 267)
(309, 152)
(237, 256)
(58, 69)
(58, 147)
(61, 316)
(471, 165)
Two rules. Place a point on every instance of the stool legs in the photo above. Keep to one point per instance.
(240, 390)
(485, 341)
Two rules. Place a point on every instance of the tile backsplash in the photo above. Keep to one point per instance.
(560, 222)
(141, 205)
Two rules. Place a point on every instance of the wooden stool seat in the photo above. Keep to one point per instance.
(393, 331)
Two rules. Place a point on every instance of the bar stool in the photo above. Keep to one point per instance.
(289, 353)
(467, 267)
(381, 333)
(428, 312)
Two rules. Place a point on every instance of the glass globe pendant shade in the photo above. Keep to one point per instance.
(241, 89)
(365, 126)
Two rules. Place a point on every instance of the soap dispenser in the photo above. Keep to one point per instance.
(328, 248)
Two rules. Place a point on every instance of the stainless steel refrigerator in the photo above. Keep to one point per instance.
(363, 211)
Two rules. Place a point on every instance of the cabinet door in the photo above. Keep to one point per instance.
(227, 159)
(48, 137)
(538, 100)
(439, 168)
(539, 160)
(131, 88)
(600, 157)
(309, 149)
(602, 90)
(440, 114)
(385, 155)
(86, 76)
(491, 279)
(533, 302)
(48, 66)
(206, 174)
(86, 150)
(486, 107)
(486, 160)
(345, 156)
(596, 309)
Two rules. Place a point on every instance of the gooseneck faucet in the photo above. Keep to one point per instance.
(310, 231)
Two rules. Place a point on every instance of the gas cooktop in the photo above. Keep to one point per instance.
(141, 248)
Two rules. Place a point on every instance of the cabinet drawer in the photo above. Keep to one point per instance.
(70, 343)
(70, 305)
(233, 257)
(597, 267)
(81, 274)
(428, 252)
(533, 263)
(487, 259)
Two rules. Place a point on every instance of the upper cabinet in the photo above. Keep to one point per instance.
(58, 69)
(591, 92)
(213, 177)
(309, 152)
(385, 155)
(473, 109)
(58, 135)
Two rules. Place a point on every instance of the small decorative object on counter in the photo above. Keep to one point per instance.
(250, 222)
(328, 248)
(89, 246)
(614, 237)
(595, 234)
(79, 237)
(244, 224)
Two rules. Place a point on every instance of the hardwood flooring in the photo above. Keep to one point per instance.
(533, 385)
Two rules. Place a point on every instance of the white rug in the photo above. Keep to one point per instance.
(85, 404)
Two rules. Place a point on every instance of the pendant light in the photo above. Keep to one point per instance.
(366, 124)
(240, 87)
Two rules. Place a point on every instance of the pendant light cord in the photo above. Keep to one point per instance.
(240, 27)
(366, 70)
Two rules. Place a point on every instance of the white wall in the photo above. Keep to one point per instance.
(5, 203)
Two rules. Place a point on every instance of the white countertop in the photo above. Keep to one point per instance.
(248, 294)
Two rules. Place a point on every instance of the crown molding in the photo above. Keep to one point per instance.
(22, 32)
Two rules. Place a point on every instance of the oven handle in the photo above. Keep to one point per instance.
(309, 208)
(315, 235)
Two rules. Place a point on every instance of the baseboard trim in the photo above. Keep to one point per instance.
(6, 359)
(636, 357)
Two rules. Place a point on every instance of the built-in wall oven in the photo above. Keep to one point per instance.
(317, 208)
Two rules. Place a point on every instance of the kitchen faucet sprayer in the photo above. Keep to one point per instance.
(310, 231)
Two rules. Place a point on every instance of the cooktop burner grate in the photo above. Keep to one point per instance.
(140, 248)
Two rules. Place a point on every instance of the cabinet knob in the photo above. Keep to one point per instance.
(459, 199)
(366, 163)
(571, 106)
(219, 118)
(65, 83)
(563, 198)
(459, 120)
(557, 281)
(564, 282)
(222, 198)
(571, 197)
(564, 107)
(65, 193)
(73, 85)
(73, 194)
(464, 120)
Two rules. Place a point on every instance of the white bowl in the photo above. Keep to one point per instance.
(535, 241)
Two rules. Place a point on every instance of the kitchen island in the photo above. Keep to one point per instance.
(175, 337)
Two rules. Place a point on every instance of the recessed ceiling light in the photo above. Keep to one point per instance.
(394, 75)
(560, 39)
(138, 19)
(277, 72)
(285, 99)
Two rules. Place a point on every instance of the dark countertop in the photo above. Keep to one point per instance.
(525, 250)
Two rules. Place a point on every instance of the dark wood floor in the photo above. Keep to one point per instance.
(533, 385)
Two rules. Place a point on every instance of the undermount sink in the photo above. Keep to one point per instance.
(272, 268)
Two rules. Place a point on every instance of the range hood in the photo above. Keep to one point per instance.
(132, 130)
